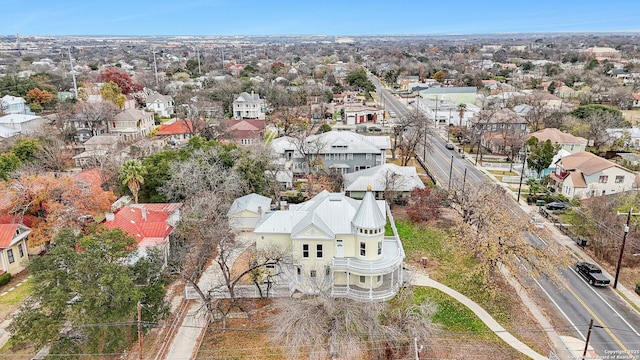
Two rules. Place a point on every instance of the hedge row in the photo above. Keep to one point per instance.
(4, 278)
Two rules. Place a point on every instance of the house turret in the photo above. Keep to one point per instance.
(368, 224)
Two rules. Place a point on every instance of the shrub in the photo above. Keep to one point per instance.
(4, 279)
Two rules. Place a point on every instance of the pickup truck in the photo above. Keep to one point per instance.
(592, 273)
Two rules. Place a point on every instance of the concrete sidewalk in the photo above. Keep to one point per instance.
(418, 278)
(185, 342)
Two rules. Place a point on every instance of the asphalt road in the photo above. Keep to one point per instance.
(616, 325)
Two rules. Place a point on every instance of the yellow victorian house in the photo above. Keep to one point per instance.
(337, 245)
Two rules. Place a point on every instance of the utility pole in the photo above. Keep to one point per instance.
(73, 74)
(524, 158)
(450, 172)
(139, 330)
(586, 344)
(435, 116)
(624, 240)
(415, 344)
(198, 55)
(464, 180)
(155, 67)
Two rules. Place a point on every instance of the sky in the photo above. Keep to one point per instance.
(315, 17)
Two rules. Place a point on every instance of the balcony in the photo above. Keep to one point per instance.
(392, 258)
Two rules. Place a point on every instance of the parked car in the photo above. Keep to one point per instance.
(449, 146)
(557, 205)
(592, 273)
(374, 129)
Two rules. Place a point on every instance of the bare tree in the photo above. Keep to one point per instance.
(496, 236)
(412, 131)
(393, 183)
(322, 327)
(207, 188)
(95, 116)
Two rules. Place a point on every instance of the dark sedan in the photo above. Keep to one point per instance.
(557, 205)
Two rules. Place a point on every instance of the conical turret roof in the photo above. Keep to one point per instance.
(369, 215)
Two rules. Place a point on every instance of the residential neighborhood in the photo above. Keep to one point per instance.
(386, 196)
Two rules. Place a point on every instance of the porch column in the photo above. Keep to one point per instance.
(392, 283)
(370, 287)
(348, 275)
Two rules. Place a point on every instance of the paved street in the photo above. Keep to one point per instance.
(575, 300)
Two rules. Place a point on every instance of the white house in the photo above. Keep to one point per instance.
(7, 132)
(583, 175)
(249, 106)
(632, 135)
(400, 180)
(14, 105)
(25, 124)
(338, 245)
(566, 141)
(160, 104)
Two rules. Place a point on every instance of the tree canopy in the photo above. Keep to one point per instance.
(110, 91)
(132, 175)
(541, 154)
(85, 295)
(120, 78)
(358, 79)
(54, 202)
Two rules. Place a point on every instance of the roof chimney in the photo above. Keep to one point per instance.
(143, 210)
(109, 216)
(259, 211)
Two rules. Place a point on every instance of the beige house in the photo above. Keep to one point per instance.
(566, 141)
(583, 174)
(13, 248)
(338, 246)
(603, 53)
(95, 150)
(245, 211)
(132, 124)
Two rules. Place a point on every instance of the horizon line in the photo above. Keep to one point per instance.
(559, 32)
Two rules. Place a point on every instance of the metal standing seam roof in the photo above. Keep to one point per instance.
(251, 202)
(349, 142)
(450, 90)
(332, 213)
(369, 215)
(377, 176)
(17, 118)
